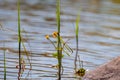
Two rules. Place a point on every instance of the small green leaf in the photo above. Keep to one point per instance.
(55, 55)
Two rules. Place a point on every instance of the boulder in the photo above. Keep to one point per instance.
(107, 71)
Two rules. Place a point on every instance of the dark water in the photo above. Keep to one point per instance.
(99, 37)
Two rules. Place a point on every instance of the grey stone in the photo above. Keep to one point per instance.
(107, 71)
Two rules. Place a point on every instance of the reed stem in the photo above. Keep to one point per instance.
(4, 65)
(77, 32)
(59, 51)
(19, 36)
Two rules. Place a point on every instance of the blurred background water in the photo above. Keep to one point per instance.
(99, 37)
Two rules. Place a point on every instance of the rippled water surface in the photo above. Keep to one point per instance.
(99, 37)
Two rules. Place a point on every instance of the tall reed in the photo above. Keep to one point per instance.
(59, 48)
(19, 36)
(77, 34)
(4, 64)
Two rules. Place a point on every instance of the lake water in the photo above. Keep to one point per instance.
(99, 36)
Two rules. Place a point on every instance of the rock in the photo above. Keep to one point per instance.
(108, 71)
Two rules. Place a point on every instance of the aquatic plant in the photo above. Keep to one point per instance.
(79, 71)
(4, 64)
(23, 61)
(61, 44)
(21, 58)
(59, 48)
(27, 53)
(77, 32)
(64, 48)
(4, 54)
(19, 36)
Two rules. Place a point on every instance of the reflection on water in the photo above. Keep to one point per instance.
(98, 39)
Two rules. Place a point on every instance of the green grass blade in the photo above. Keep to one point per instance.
(58, 16)
(26, 53)
(77, 34)
(4, 65)
(77, 27)
(59, 51)
(19, 36)
(19, 29)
